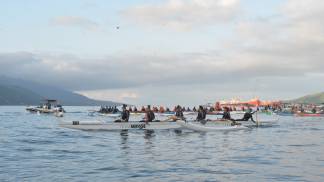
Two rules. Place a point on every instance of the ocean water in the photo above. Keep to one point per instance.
(35, 148)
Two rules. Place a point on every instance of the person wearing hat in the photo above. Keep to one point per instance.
(149, 115)
(125, 114)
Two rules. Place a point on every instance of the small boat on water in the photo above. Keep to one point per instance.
(49, 106)
(102, 126)
(59, 114)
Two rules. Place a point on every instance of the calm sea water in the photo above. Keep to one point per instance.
(35, 148)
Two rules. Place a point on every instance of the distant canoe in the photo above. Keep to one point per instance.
(309, 115)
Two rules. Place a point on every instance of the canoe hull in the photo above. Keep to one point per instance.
(121, 126)
(203, 128)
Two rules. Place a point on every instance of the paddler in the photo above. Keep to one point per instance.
(227, 116)
(149, 115)
(115, 110)
(179, 113)
(124, 115)
(143, 109)
(194, 109)
(247, 116)
(201, 114)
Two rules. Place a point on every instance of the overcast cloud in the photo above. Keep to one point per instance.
(75, 21)
(183, 14)
(279, 56)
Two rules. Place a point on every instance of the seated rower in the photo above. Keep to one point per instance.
(247, 116)
(149, 115)
(178, 113)
(115, 110)
(124, 115)
(227, 116)
(201, 115)
(143, 109)
(194, 109)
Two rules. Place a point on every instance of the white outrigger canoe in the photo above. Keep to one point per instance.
(100, 125)
(196, 126)
(112, 115)
(265, 123)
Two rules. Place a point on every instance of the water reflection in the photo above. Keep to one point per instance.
(31, 150)
(148, 134)
(124, 139)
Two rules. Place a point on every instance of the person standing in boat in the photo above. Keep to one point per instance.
(149, 115)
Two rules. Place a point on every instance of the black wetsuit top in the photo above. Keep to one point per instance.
(179, 113)
(201, 115)
(227, 115)
(150, 116)
(246, 117)
(125, 115)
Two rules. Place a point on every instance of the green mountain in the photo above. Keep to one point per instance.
(317, 98)
(15, 95)
(23, 92)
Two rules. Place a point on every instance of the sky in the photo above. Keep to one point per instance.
(166, 52)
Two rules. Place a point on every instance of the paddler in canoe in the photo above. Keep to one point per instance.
(124, 115)
(178, 114)
(227, 116)
(201, 117)
(247, 116)
(149, 115)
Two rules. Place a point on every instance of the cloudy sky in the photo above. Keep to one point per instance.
(166, 51)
